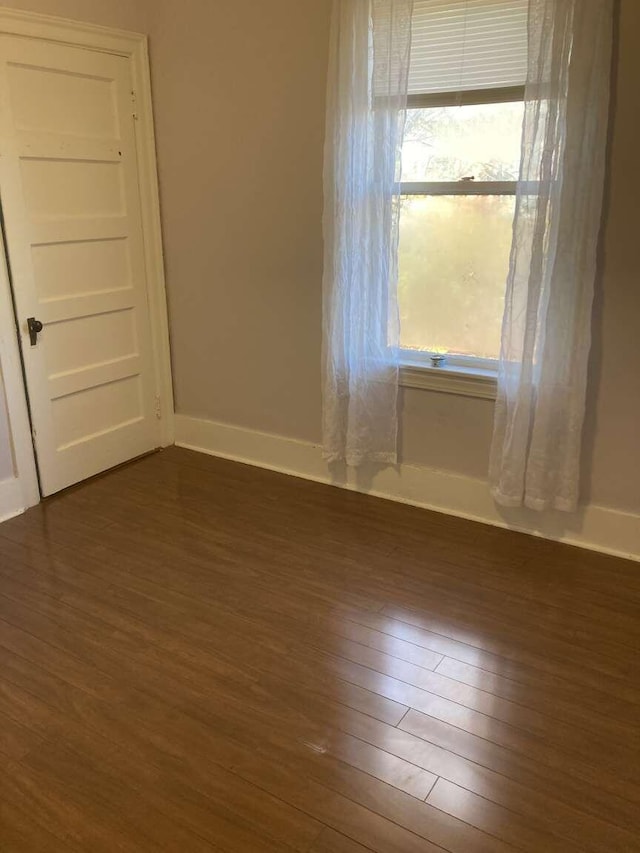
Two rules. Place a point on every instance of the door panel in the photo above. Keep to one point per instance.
(40, 100)
(72, 270)
(70, 198)
(65, 188)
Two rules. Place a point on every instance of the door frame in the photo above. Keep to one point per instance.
(134, 47)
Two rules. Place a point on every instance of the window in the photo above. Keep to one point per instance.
(460, 165)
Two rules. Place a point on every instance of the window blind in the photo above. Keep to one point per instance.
(468, 45)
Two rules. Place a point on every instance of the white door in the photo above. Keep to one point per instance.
(71, 206)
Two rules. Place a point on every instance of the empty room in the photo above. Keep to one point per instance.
(319, 426)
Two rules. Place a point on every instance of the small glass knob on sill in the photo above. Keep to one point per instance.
(437, 360)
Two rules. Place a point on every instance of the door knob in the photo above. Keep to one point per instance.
(35, 327)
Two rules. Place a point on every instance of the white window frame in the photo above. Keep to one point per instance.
(464, 375)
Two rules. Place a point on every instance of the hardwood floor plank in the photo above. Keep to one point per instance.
(562, 825)
(118, 731)
(18, 832)
(85, 824)
(23, 828)
(342, 779)
(599, 794)
(493, 819)
(470, 647)
(79, 722)
(630, 712)
(130, 635)
(26, 709)
(376, 762)
(540, 684)
(507, 688)
(592, 662)
(483, 714)
(332, 842)
(383, 643)
(107, 801)
(437, 747)
(15, 740)
(199, 655)
(539, 806)
(505, 735)
(495, 698)
(565, 620)
(598, 699)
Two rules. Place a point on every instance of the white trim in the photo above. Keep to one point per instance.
(449, 379)
(11, 499)
(67, 31)
(470, 97)
(134, 47)
(596, 528)
(460, 187)
(15, 397)
(152, 234)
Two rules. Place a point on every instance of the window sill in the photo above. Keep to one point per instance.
(450, 379)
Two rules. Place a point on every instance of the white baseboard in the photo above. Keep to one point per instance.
(11, 499)
(597, 528)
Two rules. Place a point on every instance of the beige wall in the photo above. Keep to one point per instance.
(239, 94)
(612, 435)
(239, 97)
(122, 14)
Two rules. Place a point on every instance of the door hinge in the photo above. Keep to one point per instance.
(134, 102)
(158, 408)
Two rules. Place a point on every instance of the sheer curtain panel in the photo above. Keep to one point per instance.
(535, 458)
(367, 92)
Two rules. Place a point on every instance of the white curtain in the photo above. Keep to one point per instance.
(367, 90)
(535, 456)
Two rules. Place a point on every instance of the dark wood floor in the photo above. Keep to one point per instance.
(197, 655)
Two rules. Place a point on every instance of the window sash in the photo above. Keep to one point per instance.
(421, 359)
(457, 99)
(458, 187)
(468, 98)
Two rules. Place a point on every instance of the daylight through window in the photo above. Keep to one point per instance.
(460, 165)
